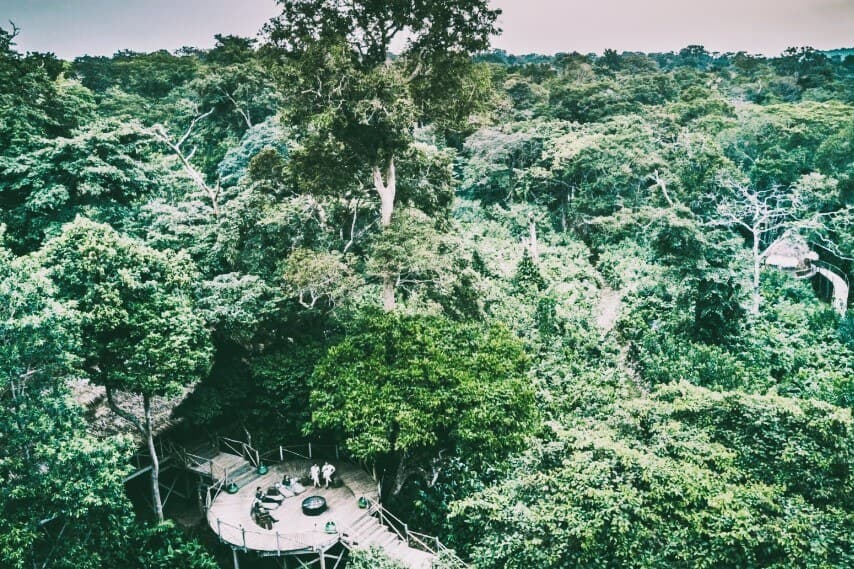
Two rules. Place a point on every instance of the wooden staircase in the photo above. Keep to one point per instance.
(379, 528)
(219, 466)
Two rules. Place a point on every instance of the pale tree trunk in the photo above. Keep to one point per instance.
(389, 303)
(532, 230)
(563, 225)
(406, 470)
(155, 463)
(402, 474)
(386, 189)
(160, 133)
(757, 268)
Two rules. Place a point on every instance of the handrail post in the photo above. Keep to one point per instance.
(281, 454)
(309, 449)
(219, 528)
(406, 532)
(243, 531)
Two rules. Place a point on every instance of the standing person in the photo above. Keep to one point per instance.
(328, 471)
(315, 475)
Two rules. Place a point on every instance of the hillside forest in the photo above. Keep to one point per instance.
(529, 292)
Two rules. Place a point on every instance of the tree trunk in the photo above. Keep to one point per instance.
(386, 190)
(400, 477)
(389, 303)
(532, 229)
(757, 267)
(155, 463)
(563, 224)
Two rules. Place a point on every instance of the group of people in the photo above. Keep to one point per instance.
(328, 471)
(264, 502)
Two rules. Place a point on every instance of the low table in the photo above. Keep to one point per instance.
(314, 505)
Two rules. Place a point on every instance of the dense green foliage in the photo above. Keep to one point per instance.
(688, 478)
(583, 359)
(415, 388)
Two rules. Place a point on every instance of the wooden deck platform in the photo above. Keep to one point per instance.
(229, 514)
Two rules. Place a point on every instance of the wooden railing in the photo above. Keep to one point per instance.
(416, 540)
(832, 268)
(213, 492)
(306, 451)
(272, 542)
(193, 462)
(241, 449)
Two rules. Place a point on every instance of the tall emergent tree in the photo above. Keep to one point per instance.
(140, 333)
(769, 215)
(355, 104)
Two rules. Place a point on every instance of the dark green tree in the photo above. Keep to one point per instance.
(140, 332)
(355, 104)
(409, 391)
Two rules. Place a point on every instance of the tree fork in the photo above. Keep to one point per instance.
(386, 190)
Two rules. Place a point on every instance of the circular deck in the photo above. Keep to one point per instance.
(293, 532)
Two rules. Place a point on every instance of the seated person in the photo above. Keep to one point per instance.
(262, 516)
(270, 499)
(284, 489)
(293, 484)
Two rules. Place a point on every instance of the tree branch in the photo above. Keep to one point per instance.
(353, 225)
(238, 108)
(126, 415)
(193, 124)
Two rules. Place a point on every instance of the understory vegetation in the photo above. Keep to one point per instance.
(529, 291)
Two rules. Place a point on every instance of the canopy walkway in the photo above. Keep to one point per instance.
(795, 257)
(354, 517)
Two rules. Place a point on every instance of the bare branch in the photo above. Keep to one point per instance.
(353, 225)
(193, 124)
(661, 183)
(238, 108)
(160, 133)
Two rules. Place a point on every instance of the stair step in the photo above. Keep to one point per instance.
(203, 451)
(240, 470)
(366, 522)
(390, 540)
(376, 534)
(245, 479)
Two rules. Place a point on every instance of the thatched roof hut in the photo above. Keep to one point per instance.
(104, 422)
(790, 252)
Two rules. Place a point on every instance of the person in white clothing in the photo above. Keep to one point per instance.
(328, 472)
(315, 475)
